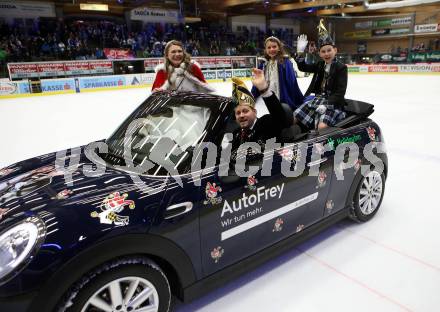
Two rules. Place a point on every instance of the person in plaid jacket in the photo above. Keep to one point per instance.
(328, 84)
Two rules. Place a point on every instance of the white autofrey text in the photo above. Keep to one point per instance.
(262, 193)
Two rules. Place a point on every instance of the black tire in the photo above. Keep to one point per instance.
(361, 212)
(123, 272)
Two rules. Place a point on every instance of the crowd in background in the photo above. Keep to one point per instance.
(74, 39)
(79, 40)
(49, 40)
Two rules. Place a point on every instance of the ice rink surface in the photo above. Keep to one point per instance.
(391, 263)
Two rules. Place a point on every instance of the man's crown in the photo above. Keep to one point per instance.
(241, 94)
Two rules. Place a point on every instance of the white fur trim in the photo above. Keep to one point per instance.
(195, 63)
(190, 83)
(196, 81)
(159, 67)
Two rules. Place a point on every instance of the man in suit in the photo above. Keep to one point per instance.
(252, 128)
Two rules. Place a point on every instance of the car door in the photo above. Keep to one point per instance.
(178, 217)
(241, 217)
(340, 186)
(306, 195)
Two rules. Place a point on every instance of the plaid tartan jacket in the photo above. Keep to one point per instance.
(336, 82)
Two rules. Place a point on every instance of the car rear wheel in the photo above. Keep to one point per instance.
(126, 285)
(368, 196)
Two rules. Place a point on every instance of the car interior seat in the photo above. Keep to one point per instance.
(289, 134)
(355, 111)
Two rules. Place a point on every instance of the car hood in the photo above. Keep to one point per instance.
(36, 186)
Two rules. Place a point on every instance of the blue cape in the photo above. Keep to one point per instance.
(290, 92)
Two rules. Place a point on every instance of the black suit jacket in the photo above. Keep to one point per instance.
(336, 84)
(267, 127)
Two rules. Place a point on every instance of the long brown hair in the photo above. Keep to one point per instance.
(281, 53)
(186, 56)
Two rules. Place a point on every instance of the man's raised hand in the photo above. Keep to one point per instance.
(258, 79)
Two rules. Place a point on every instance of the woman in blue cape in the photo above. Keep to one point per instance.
(279, 73)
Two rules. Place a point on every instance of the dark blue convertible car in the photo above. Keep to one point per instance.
(161, 207)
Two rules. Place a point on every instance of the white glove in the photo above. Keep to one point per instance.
(321, 109)
(301, 43)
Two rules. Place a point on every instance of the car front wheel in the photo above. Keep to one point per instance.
(125, 285)
(368, 196)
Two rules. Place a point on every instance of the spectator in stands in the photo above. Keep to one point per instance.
(99, 53)
(178, 71)
(3, 54)
(213, 49)
(329, 84)
(61, 47)
(146, 53)
(279, 73)
(74, 39)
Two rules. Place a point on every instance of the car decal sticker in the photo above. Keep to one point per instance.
(211, 192)
(290, 154)
(331, 143)
(247, 201)
(371, 134)
(64, 194)
(329, 205)
(299, 228)
(322, 177)
(251, 183)
(3, 212)
(278, 226)
(111, 206)
(245, 226)
(217, 253)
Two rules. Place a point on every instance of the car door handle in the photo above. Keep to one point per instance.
(178, 209)
(317, 162)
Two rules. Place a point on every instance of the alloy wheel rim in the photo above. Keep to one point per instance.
(127, 294)
(370, 193)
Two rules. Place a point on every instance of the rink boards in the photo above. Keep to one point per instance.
(13, 89)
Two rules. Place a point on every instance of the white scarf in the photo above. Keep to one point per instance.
(272, 76)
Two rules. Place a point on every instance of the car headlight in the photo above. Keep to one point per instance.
(17, 246)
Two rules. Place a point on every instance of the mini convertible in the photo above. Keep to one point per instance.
(103, 227)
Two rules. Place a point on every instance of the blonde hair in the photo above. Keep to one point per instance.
(281, 53)
(186, 56)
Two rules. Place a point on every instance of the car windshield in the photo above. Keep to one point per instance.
(160, 133)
